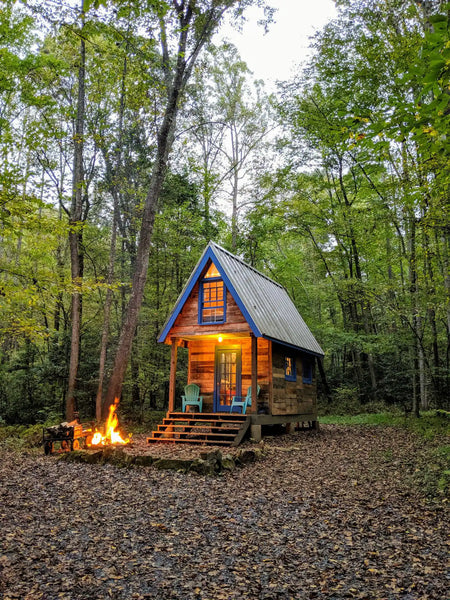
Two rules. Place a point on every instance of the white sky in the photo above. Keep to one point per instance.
(273, 56)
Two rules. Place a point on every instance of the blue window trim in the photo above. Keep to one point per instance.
(200, 301)
(292, 377)
(307, 368)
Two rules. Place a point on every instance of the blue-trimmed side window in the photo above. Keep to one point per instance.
(307, 370)
(290, 373)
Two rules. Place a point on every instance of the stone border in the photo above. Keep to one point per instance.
(208, 463)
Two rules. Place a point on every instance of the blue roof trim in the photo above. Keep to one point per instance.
(208, 255)
(311, 352)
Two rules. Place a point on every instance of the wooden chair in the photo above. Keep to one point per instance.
(191, 397)
(238, 401)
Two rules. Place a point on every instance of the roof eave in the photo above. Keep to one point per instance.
(294, 347)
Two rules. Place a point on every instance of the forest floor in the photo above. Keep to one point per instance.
(326, 515)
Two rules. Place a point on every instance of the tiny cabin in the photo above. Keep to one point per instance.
(245, 339)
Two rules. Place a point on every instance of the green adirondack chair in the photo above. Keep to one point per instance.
(191, 397)
(242, 403)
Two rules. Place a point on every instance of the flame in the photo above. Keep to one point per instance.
(112, 435)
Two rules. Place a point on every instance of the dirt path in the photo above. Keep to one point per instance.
(330, 515)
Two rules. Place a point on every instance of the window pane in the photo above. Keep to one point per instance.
(213, 302)
(212, 272)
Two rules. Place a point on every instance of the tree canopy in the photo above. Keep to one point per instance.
(128, 140)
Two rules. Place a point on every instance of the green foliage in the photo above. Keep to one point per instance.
(433, 473)
(429, 426)
(20, 437)
(354, 224)
(386, 418)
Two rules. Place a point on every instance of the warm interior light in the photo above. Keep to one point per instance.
(220, 338)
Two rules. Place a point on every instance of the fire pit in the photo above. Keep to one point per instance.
(112, 435)
(76, 436)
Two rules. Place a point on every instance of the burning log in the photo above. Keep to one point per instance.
(112, 435)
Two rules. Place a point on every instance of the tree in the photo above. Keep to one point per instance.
(370, 207)
(76, 219)
(195, 23)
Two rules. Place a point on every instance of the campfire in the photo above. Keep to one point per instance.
(111, 433)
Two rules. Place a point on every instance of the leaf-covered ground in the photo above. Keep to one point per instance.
(326, 515)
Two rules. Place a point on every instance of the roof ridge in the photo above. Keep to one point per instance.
(211, 243)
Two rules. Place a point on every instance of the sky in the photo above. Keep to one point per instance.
(274, 55)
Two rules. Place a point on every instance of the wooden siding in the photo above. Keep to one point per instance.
(186, 324)
(201, 368)
(291, 397)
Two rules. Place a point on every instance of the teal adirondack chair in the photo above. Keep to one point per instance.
(191, 397)
(242, 403)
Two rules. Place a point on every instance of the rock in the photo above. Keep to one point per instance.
(174, 464)
(215, 456)
(259, 453)
(246, 456)
(114, 456)
(80, 456)
(144, 460)
(203, 467)
(214, 459)
(75, 456)
(228, 463)
(92, 458)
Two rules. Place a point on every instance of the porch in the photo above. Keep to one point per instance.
(223, 366)
(222, 429)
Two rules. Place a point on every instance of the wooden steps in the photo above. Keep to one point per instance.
(213, 429)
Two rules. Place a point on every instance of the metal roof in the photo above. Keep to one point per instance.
(266, 304)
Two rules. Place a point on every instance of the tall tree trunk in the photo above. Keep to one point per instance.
(201, 24)
(106, 318)
(165, 139)
(446, 274)
(416, 322)
(235, 189)
(75, 231)
(113, 186)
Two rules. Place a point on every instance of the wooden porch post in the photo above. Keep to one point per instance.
(254, 372)
(173, 374)
(255, 429)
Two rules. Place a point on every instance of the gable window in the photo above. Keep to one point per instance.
(290, 373)
(307, 370)
(212, 299)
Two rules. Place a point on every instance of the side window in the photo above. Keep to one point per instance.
(307, 370)
(290, 373)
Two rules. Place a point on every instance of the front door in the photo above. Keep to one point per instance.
(227, 377)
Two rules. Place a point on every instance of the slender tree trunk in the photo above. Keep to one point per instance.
(106, 318)
(416, 348)
(235, 189)
(112, 179)
(446, 274)
(75, 232)
(139, 279)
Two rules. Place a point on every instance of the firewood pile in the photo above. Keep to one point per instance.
(66, 437)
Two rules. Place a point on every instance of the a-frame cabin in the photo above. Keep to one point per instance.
(241, 329)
